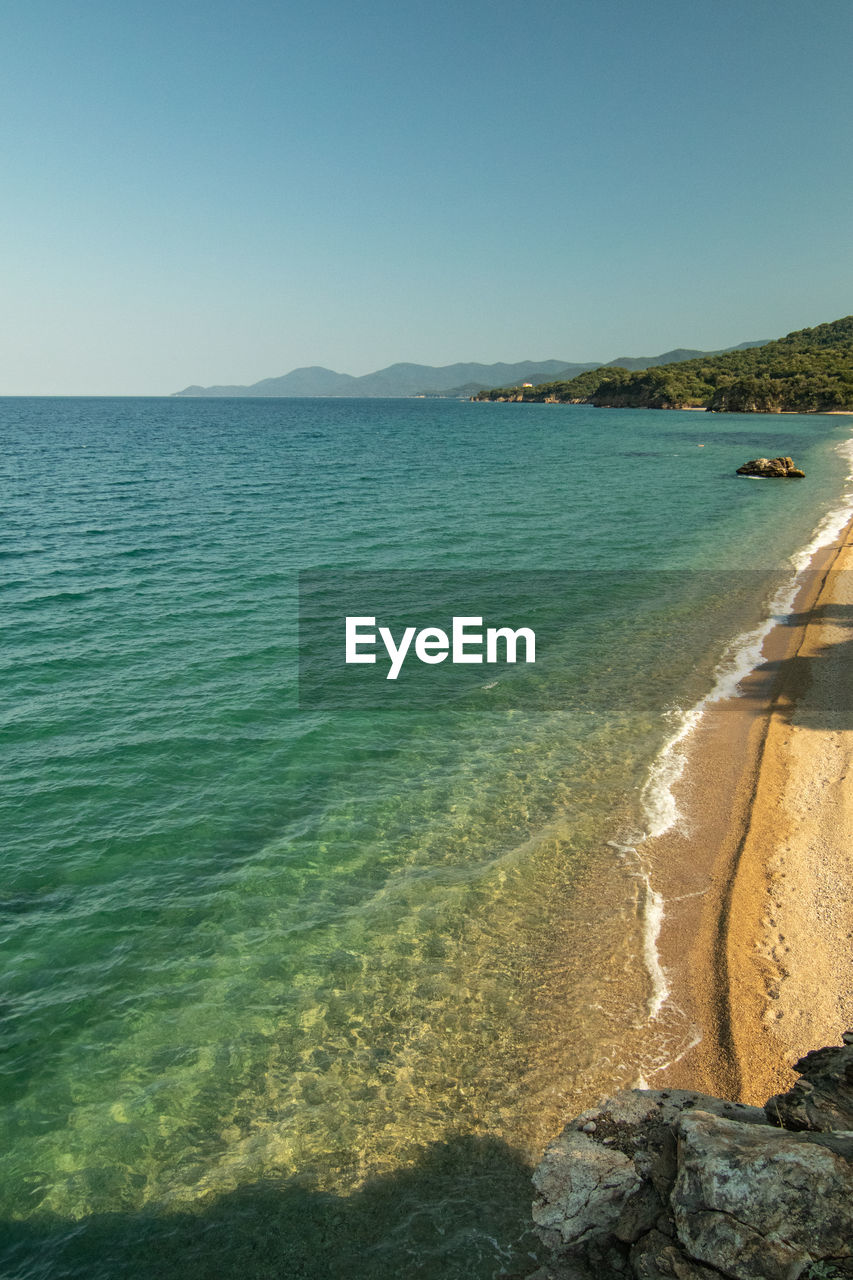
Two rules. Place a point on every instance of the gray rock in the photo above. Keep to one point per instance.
(760, 1203)
(658, 1257)
(582, 1188)
(656, 1184)
(823, 1098)
(616, 1179)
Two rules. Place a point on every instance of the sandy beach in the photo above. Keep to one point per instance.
(757, 939)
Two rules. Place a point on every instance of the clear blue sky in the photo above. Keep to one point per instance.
(199, 191)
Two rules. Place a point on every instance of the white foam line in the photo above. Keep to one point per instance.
(660, 809)
(652, 916)
(655, 1067)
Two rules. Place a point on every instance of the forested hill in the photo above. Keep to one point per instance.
(809, 371)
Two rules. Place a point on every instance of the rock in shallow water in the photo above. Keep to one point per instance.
(771, 468)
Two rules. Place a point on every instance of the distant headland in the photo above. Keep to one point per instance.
(809, 371)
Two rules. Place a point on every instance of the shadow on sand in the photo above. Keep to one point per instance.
(460, 1213)
(826, 674)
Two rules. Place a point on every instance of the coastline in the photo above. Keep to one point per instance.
(754, 927)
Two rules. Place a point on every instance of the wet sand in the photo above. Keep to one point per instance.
(757, 939)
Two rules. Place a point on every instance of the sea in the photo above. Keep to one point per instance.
(298, 990)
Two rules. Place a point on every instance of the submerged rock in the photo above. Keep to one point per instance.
(771, 468)
(671, 1183)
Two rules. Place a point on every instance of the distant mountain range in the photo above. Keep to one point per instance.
(451, 380)
(396, 380)
(678, 356)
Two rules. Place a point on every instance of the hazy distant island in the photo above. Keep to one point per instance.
(452, 381)
(809, 371)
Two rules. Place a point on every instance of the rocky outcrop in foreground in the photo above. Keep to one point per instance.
(658, 1184)
(771, 468)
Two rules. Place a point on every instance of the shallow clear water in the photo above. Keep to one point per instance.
(304, 993)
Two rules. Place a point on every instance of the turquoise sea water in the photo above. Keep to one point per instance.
(304, 993)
